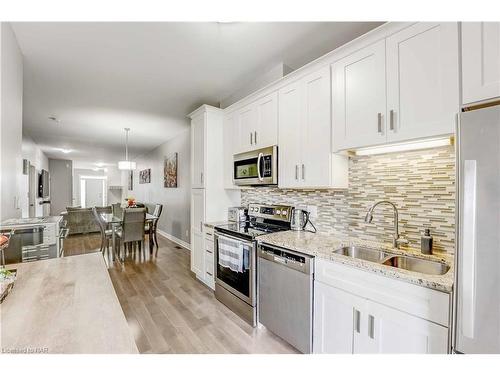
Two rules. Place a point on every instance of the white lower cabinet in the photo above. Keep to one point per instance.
(333, 319)
(387, 330)
(349, 317)
(197, 216)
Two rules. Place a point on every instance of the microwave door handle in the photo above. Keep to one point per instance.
(258, 166)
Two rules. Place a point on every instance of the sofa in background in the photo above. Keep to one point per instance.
(80, 220)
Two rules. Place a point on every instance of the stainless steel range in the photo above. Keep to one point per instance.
(236, 257)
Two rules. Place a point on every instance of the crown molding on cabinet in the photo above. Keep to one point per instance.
(360, 42)
(205, 108)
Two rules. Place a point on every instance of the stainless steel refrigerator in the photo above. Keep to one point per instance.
(477, 287)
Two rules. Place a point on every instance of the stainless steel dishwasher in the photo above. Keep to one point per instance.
(285, 303)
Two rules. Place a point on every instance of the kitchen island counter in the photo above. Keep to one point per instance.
(64, 305)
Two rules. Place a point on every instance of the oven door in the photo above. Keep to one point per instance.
(241, 284)
(259, 167)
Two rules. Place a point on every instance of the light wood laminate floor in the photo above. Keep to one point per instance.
(169, 311)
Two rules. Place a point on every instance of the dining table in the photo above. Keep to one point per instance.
(114, 222)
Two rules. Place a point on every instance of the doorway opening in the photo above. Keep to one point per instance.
(93, 191)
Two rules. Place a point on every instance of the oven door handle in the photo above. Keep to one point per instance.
(259, 158)
(224, 235)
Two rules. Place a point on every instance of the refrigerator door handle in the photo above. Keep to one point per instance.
(469, 240)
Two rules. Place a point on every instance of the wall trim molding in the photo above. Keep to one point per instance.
(178, 241)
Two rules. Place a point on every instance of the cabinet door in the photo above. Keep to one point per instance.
(392, 331)
(335, 319)
(198, 151)
(422, 81)
(229, 149)
(266, 130)
(359, 98)
(197, 218)
(316, 130)
(290, 142)
(247, 120)
(480, 61)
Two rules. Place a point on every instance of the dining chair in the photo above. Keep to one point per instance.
(150, 227)
(132, 230)
(157, 212)
(106, 234)
(116, 209)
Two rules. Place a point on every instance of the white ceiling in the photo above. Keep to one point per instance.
(98, 78)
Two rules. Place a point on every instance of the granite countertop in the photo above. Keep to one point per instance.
(6, 224)
(212, 224)
(323, 245)
(64, 305)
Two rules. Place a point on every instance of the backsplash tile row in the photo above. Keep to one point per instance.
(420, 183)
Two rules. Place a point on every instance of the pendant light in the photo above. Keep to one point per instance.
(126, 164)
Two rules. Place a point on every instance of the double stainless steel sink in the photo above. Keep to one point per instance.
(429, 267)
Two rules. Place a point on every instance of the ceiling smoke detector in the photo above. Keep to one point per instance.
(54, 119)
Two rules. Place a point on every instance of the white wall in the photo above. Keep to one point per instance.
(175, 219)
(32, 152)
(114, 178)
(11, 113)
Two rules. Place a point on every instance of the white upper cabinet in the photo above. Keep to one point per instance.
(422, 81)
(316, 130)
(359, 99)
(266, 131)
(305, 154)
(401, 88)
(198, 150)
(290, 128)
(480, 61)
(229, 139)
(257, 124)
(246, 123)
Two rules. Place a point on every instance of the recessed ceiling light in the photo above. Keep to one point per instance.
(99, 164)
(64, 150)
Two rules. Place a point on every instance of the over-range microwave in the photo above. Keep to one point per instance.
(257, 167)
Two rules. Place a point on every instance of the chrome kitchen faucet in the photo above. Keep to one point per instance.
(396, 239)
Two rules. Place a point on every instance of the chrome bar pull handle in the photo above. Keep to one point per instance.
(251, 138)
(357, 321)
(303, 172)
(296, 171)
(201, 226)
(255, 136)
(259, 158)
(371, 326)
(379, 123)
(201, 177)
(391, 120)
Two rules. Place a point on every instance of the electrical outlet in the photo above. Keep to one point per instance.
(313, 211)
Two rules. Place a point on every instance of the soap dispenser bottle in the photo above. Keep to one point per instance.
(426, 242)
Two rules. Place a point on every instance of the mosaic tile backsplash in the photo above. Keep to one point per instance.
(420, 183)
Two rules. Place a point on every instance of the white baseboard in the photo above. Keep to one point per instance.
(178, 241)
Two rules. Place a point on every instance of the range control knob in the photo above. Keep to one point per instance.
(278, 212)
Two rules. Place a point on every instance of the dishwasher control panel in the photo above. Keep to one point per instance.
(292, 259)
